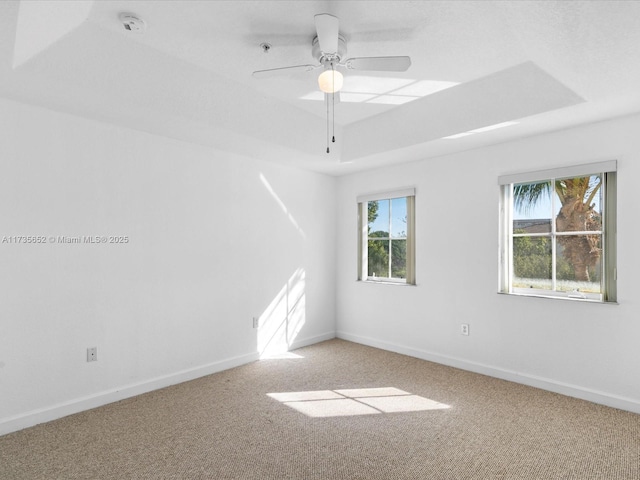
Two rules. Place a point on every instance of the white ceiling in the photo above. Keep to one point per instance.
(546, 65)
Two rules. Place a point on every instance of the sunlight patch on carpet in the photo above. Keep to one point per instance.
(358, 401)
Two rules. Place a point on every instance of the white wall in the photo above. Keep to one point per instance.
(586, 350)
(217, 239)
(214, 240)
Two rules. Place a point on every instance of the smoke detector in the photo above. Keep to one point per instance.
(132, 23)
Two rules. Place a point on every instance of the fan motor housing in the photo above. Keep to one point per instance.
(323, 57)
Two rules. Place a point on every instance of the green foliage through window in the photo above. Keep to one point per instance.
(552, 244)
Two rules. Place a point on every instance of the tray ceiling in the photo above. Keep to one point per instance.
(529, 67)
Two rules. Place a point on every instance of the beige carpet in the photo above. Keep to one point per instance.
(409, 419)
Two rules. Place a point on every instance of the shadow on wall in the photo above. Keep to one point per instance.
(282, 320)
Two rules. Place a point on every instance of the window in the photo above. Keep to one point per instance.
(558, 231)
(386, 237)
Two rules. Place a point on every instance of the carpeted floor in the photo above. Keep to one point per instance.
(410, 419)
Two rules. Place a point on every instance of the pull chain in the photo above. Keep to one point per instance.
(333, 108)
(333, 101)
(327, 102)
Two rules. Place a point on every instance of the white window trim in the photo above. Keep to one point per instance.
(561, 172)
(362, 200)
(609, 269)
(398, 193)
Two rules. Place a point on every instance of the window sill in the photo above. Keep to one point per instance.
(386, 282)
(552, 297)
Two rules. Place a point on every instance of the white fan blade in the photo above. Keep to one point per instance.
(380, 64)
(327, 30)
(274, 72)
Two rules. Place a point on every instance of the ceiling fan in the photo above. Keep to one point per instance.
(329, 49)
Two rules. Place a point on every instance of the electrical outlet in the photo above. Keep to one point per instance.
(92, 354)
(464, 329)
(255, 322)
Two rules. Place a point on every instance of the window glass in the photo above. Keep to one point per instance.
(378, 212)
(399, 218)
(556, 237)
(532, 264)
(578, 267)
(399, 259)
(578, 204)
(387, 254)
(532, 208)
(378, 258)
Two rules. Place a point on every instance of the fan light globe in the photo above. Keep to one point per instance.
(330, 81)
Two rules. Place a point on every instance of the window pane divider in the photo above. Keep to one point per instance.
(581, 232)
(548, 235)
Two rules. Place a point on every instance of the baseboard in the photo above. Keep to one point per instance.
(305, 342)
(576, 391)
(35, 417)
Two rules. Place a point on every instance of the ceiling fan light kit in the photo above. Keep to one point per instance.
(330, 81)
(329, 48)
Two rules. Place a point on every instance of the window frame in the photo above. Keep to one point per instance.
(363, 237)
(608, 172)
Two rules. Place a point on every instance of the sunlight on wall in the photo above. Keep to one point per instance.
(481, 130)
(281, 204)
(282, 320)
(357, 401)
